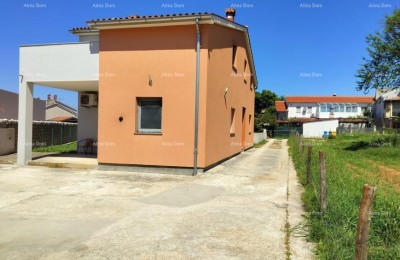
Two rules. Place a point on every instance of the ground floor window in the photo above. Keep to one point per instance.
(149, 115)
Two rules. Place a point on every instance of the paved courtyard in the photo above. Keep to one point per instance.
(237, 210)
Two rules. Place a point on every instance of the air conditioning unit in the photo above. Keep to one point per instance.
(89, 100)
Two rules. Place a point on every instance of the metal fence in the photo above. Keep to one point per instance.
(285, 131)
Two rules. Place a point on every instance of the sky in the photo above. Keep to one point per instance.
(299, 47)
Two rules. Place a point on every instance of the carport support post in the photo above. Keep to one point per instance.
(25, 114)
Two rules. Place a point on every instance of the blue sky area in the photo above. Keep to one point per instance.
(291, 39)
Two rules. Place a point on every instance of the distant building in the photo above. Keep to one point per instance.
(386, 109)
(327, 106)
(58, 111)
(9, 106)
(281, 110)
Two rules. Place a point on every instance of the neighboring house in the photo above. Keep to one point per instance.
(386, 109)
(327, 106)
(138, 79)
(9, 106)
(58, 111)
(281, 110)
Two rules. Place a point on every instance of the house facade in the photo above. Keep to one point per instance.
(281, 110)
(327, 106)
(170, 90)
(58, 111)
(386, 109)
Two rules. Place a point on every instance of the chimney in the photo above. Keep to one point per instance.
(334, 94)
(55, 98)
(230, 14)
(48, 97)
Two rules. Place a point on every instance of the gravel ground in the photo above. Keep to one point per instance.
(237, 210)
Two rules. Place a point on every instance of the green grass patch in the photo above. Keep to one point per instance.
(62, 148)
(351, 162)
(259, 144)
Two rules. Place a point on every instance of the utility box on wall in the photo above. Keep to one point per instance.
(7, 140)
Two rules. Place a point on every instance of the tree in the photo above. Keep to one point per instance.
(382, 70)
(265, 112)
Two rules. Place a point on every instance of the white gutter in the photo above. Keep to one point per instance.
(196, 106)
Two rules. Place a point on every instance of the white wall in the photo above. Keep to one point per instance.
(258, 137)
(55, 65)
(56, 111)
(316, 129)
(87, 121)
(7, 141)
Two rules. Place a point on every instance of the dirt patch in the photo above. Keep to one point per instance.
(276, 145)
(384, 173)
(390, 174)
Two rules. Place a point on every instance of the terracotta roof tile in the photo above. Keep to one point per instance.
(329, 99)
(61, 118)
(133, 17)
(280, 106)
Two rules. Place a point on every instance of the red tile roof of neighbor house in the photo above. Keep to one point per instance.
(280, 106)
(61, 118)
(329, 99)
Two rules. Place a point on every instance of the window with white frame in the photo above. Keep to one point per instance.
(336, 109)
(298, 109)
(149, 115)
(341, 108)
(354, 109)
(348, 109)
(324, 108)
(309, 110)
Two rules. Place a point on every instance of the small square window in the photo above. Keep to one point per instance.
(149, 115)
(298, 109)
(232, 128)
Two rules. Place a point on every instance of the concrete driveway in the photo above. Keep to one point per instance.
(237, 210)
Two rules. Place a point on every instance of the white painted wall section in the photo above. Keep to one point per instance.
(316, 129)
(87, 122)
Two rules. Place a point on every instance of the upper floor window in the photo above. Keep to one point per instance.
(298, 109)
(348, 109)
(341, 109)
(354, 109)
(309, 110)
(324, 109)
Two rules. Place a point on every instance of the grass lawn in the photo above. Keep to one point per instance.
(352, 161)
(62, 148)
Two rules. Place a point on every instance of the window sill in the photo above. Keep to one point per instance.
(148, 133)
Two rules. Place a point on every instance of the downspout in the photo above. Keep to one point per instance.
(196, 106)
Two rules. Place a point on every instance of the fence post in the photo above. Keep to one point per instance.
(52, 136)
(364, 219)
(61, 134)
(309, 164)
(323, 180)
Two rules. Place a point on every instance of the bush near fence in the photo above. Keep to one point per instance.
(45, 133)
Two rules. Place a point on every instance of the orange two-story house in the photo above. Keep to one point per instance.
(171, 90)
